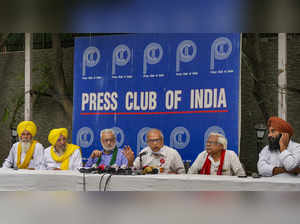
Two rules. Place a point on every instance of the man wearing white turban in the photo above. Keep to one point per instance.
(27, 153)
(61, 155)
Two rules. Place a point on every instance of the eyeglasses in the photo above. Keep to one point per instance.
(154, 140)
(211, 143)
(109, 140)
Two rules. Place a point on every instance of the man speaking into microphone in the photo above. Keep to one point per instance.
(157, 155)
(111, 155)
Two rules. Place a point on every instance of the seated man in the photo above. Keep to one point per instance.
(216, 159)
(61, 155)
(281, 155)
(27, 153)
(157, 155)
(110, 155)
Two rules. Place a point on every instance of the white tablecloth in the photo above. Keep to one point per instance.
(46, 180)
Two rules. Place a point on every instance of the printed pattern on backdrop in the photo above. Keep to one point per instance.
(186, 85)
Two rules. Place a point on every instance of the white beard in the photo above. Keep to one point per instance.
(25, 146)
(107, 149)
(60, 150)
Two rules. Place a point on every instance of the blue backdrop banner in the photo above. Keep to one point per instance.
(186, 85)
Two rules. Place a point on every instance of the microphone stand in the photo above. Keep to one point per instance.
(141, 167)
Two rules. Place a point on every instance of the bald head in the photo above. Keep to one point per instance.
(155, 131)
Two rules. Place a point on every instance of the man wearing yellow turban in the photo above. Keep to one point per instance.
(27, 153)
(281, 155)
(61, 155)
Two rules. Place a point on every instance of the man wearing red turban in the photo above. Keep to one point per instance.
(281, 155)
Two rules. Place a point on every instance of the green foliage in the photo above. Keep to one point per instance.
(5, 115)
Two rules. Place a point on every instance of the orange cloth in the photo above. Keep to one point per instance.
(280, 125)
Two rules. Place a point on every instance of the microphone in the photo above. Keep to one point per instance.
(141, 155)
(150, 170)
(124, 171)
(109, 169)
(85, 169)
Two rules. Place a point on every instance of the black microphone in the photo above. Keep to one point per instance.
(124, 171)
(92, 169)
(141, 155)
(110, 170)
(85, 169)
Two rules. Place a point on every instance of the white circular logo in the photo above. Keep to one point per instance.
(122, 54)
(179, 138)
(85, 137)
(220, 50)
(185, 48)
(186, 52)
(119, 136)
(152, 55)
(91, 57)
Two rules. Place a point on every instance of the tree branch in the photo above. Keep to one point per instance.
(60, 86)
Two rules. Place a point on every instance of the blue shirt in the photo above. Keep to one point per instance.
(105, 159)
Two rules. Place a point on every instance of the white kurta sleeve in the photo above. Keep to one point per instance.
(177, 164)
(136, 163)
(264, 166)
(38, 156)
(9, 161)
(236, 165)
(197, 164)
(77, 160)
(43, 164)
(290, 158)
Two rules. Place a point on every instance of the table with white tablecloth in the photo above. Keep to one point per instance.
(51, 180)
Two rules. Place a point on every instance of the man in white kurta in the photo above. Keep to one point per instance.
(160, 156)
(167, 160)
(281, 156)
(61, 155)
(50, 164)
(231, 165)
(27, 153)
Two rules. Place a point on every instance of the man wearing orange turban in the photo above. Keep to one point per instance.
(61, 155)
(281, 155)
(27, 153)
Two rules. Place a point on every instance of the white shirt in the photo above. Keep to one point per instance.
(35, 162)
(75, 160)
(167, 158)
(231, 166)
(289, 159)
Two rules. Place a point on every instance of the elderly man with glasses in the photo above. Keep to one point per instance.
(157, 155)
(216, 159)
(111, 155)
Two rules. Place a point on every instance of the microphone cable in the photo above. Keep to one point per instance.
(107, 180)
(84, 182)
(100, 181)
